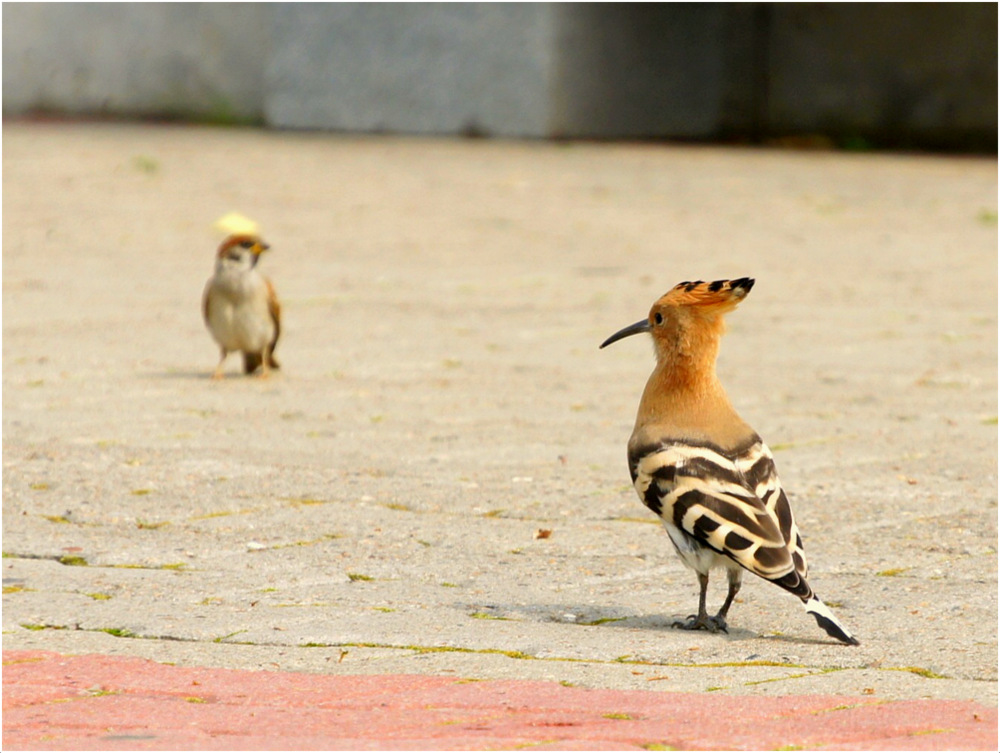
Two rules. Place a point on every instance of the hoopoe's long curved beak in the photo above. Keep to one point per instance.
(632, 329)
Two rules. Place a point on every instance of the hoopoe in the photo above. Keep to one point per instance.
(702, 469)
(240, 307)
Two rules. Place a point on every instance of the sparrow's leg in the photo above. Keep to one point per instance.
(702, 621)
(217, 374)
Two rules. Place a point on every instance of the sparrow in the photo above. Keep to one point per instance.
(698, 466)
(240, 307)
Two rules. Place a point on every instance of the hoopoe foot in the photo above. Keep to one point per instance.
(702, 622)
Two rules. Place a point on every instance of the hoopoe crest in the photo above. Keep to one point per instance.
(698, 466)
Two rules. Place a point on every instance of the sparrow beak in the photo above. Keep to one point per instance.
(632, 329)
(260, 247)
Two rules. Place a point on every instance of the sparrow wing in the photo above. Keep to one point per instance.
(274, 309)
(205, 302)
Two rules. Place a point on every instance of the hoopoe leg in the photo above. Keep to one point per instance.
(735, 581)
(701, 621)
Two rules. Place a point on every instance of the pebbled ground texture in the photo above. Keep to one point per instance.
(432, 494)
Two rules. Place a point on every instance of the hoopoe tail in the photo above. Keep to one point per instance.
(826, 620)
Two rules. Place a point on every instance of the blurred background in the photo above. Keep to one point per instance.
(897, 75)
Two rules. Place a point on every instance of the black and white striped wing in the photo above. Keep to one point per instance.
(757, 466)
(709, 497)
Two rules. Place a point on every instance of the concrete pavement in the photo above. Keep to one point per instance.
(375, 508)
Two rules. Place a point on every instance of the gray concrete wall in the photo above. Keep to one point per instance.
(196, 61)
(412, 68)
(639, 70)
(894, 74)
(911, 74)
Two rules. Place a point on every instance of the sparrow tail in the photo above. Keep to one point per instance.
(251, 362)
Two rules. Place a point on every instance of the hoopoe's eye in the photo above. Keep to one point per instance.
(658, 317)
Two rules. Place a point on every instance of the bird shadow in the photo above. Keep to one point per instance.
(206, 376)
(574, 614)
(200, 376)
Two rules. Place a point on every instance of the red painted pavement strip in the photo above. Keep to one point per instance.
(52, 701)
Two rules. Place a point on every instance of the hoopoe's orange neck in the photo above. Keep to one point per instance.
(678, 388)
(685, 399)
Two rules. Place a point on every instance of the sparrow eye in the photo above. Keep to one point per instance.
(247, 244)
(658, 317)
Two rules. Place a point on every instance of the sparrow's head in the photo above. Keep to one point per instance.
(688, 317)
(240, 252)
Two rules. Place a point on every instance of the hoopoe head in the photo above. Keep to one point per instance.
(240, 252)
(688, 320)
